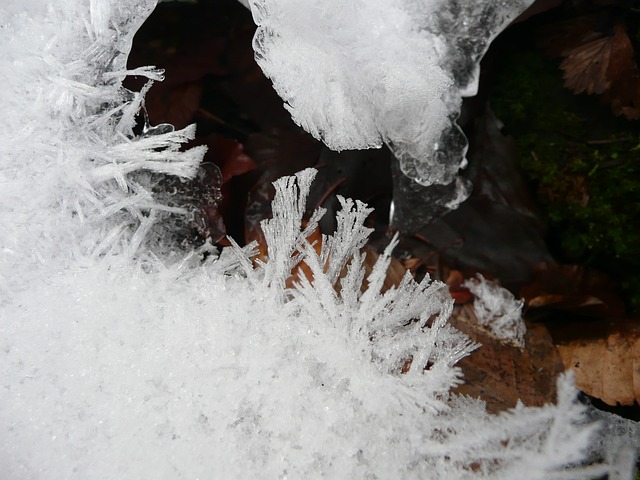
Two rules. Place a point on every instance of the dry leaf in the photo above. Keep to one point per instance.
(574, 289)
(586, 68)
(595, 63)
(593, 66)
(605, 358)
(565, 302)
(500, 373)
(460, 294)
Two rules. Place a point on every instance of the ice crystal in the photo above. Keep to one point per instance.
(219, 369)
(68, 129)
(498, 310)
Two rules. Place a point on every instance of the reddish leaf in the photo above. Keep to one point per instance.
(229, 156)
(460, 294)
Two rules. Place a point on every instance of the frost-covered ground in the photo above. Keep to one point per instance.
(122, 357)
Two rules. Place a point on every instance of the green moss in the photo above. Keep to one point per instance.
(582, 162)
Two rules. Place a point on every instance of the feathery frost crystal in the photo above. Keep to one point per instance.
(498, 310)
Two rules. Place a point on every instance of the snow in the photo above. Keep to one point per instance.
(122, 356)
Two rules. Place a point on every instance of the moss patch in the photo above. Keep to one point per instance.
(582, 162)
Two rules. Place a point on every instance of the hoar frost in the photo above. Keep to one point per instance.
(120, 359)
(70, 158)
(498, 310)
(219, 369)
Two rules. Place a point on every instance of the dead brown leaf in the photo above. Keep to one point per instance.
(500, 373)
(573, 288)
(593, 66)
(605, 358)
(596, 63)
